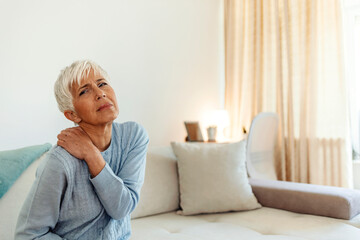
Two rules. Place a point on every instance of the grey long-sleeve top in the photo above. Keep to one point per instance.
(65, 203)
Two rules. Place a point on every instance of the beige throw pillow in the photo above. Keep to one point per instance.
(160, 192)
(213, 178)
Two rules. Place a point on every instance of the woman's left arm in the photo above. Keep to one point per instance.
(119, 194)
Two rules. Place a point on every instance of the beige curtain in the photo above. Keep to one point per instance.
(285, 56)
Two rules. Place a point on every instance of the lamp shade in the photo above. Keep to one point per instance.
(219, 118)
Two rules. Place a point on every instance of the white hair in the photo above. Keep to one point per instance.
(73, 74)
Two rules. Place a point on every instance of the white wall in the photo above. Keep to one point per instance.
(164, 58)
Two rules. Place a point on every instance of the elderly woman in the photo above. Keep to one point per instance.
(89, 183)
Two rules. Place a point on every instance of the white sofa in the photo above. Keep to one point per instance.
(156, 214)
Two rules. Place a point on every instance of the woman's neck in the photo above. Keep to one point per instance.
(100, 135)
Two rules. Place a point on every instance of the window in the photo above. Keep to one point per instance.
(351, 10)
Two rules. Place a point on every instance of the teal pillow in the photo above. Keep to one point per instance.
(14, 162)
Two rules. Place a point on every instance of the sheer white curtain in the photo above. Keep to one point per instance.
(352, 62)
(286, 56)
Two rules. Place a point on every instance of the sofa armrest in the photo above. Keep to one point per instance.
(305, 198)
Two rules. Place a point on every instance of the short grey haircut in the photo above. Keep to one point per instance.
(74, 74)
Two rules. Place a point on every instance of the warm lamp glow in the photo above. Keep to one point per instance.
(220, 119)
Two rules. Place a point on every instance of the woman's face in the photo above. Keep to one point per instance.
(94, 101)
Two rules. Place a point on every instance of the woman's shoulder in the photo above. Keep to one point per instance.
(58, 160)
(131, 133)
(130, 128)
(127, 125)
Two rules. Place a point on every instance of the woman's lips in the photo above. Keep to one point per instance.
(105, 106)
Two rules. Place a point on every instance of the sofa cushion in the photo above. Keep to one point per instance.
(308, 198)
(12, 201)
(160, 192)
(213, 178)
(260, 224)
(14, 162)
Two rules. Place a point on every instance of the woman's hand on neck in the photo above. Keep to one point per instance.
(82, 145)
(100, 135)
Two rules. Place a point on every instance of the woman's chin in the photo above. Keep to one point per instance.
(108, 116)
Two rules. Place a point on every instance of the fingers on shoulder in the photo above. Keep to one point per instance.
(69, 131)
(61, 143)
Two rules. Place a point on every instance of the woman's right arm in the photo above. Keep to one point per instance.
(41, 209)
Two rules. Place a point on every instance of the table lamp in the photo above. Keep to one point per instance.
(219, 120)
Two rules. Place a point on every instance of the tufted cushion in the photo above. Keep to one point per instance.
(260, 224)
(160, 192)
(213, 178)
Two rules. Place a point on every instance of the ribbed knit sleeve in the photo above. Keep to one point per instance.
(120, 193)
(40, 212)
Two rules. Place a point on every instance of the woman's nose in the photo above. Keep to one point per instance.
(100, 94)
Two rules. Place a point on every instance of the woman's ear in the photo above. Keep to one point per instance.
(72, 116)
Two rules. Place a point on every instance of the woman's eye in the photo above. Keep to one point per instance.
(102, 84)
(82, 92)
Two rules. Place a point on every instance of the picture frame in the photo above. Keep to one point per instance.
(193, 131)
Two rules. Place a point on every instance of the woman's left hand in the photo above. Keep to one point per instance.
(76, 142)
